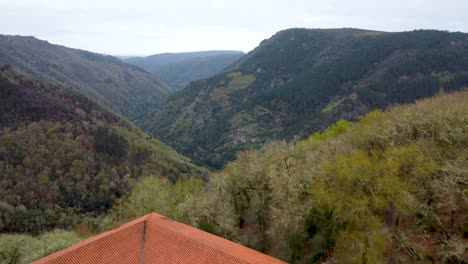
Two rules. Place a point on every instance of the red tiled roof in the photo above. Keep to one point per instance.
(152, 239)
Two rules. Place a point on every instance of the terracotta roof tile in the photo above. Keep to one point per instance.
(156, 239)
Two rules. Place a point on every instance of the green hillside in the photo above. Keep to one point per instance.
(63, 155)
(122, 87)
(302, 80)
(391, 188)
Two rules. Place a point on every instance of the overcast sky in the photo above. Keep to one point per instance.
(143, 27)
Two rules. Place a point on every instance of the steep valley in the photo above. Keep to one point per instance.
(302, 80)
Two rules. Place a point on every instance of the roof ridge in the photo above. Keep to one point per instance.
(202, 244)
(147, 216)
(143, 238)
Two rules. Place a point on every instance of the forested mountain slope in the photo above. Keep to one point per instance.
(63, 155)
(302, 80)
(179, 69)
(122, 87)
(389, 188)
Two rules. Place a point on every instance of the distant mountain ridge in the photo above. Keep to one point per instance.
(174, 57)
(302, 80)
(179, 69)
(122, 87)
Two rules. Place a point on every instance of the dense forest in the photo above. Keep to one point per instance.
(302, 80)
(64, 157)
(122, 87)
(179, 69)
(390, 188)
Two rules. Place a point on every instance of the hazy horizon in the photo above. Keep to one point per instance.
(143, 27)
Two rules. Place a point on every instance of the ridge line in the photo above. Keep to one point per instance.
(204, 244)
(142, 252)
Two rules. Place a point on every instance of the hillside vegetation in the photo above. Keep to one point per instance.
(23, 249)
(179, 69)
(122, 87)
(311, 171)
(302, 80)
(390, 188)
(62, 155)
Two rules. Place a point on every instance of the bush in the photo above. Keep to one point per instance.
(17, 249)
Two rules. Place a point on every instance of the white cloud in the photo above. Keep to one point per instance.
(147, 27)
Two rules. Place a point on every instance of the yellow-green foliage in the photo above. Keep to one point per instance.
(343, 193)
(240, 119)
(317, 139)
(336, 102)
(360, 246)
(260, 110)
(15, 248)
(332, 105)
(237, 82)
(154, 194)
